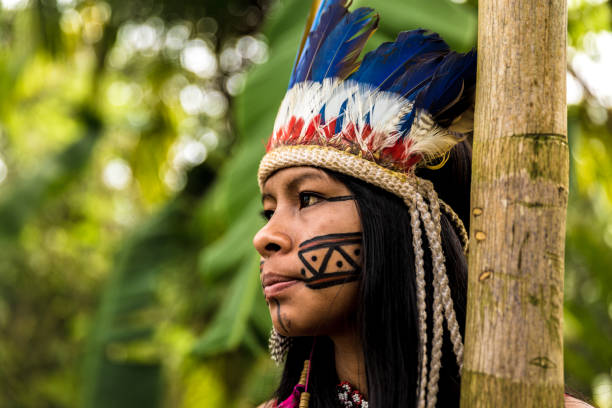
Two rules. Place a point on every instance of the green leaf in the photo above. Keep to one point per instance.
(235, 188)
(229, 325)
(29, 196)
(456, 23)
(122, 366)
(232, 247)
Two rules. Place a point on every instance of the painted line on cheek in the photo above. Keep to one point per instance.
(341, 198)
(342, 237)
(328, 281)
(278, 315)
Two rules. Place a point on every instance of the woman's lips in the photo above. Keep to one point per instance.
(274, 285)
(277, 288)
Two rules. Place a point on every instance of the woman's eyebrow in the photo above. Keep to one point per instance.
(266, 196)
(294, 184)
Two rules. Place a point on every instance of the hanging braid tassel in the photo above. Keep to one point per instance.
(459, 227)
(278, 345)
(442, 281)
(438, 316)
(417, 245)
(442, 301)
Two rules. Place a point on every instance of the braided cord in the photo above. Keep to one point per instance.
(459, 227)
(442, 281)
(417, 245)
(438, 315)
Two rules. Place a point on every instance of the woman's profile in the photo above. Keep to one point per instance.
(365, 189)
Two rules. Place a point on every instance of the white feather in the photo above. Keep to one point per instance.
(386, 109)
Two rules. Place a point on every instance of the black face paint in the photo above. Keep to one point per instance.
(279, 317)
(340, 198)
(331, 259)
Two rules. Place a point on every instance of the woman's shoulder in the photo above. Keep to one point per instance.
(268, 404)
(571, 402)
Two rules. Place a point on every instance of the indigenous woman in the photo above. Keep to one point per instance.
(365, 188)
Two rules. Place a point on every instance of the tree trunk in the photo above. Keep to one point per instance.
(514, 343)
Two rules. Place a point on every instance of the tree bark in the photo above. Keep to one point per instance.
(514, 342)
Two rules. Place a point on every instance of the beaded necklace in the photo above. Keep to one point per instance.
(350, 397)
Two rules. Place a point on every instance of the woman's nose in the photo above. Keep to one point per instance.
(272, 239)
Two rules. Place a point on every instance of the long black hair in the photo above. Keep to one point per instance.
(387, 313)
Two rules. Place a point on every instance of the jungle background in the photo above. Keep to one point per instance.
(130, 133)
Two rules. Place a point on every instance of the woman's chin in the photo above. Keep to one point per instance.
(293, 326)
(292, 323)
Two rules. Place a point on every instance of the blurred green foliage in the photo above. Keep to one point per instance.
(130, 135)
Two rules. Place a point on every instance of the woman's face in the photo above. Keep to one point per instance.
(310, 252)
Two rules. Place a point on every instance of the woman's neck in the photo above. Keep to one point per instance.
(350, 364)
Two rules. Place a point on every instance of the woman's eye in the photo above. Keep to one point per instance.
(267, 214)
(308, 199)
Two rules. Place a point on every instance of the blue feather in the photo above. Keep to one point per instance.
(383, 66)
(448, 92)
(329, 14)
(337, 56)
(419, 65)
(446, 114)
(315, 9)
(447, 82)
(416, 76)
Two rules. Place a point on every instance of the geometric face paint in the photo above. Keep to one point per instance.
(331, 259)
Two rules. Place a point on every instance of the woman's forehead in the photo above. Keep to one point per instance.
(291, 177)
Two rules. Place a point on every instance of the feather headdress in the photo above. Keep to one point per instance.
(397, 107)
(378, 119)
